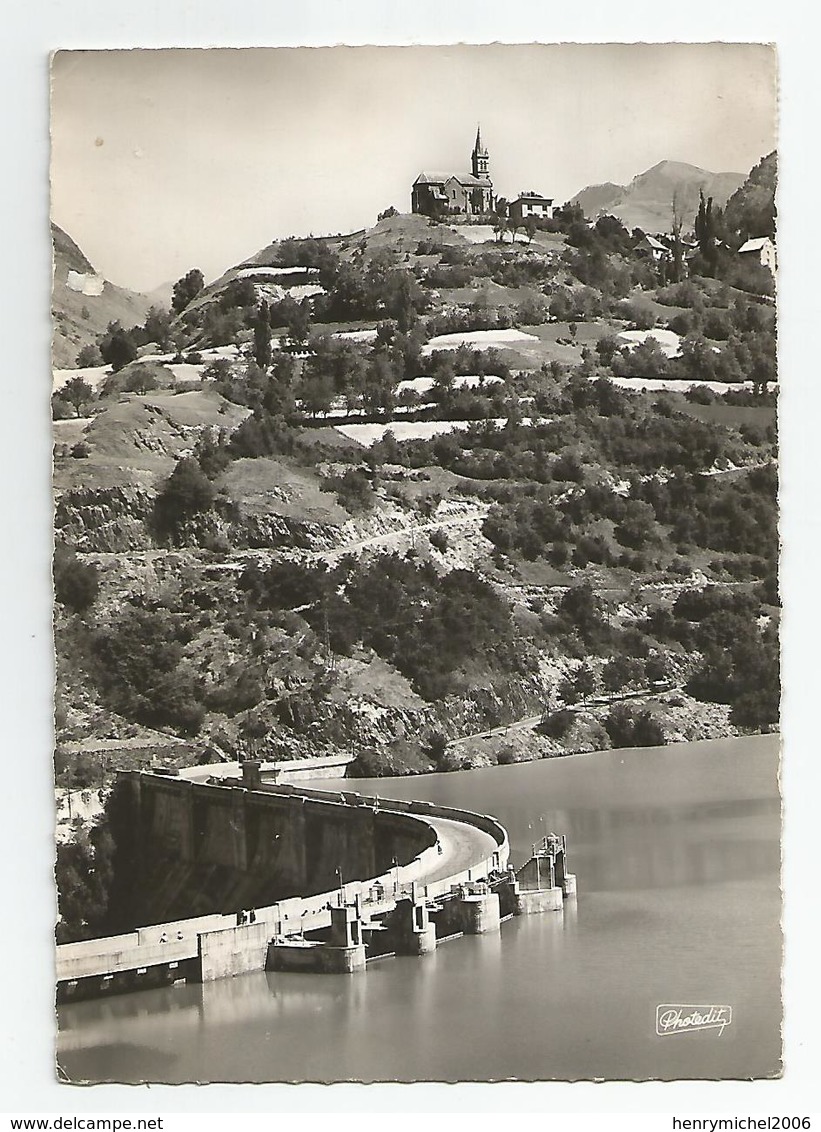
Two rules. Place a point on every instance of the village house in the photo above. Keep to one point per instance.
(468, 194)
(762, 250)
(530, 204)
(649, 247)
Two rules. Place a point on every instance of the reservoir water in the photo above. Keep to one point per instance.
(677, 854)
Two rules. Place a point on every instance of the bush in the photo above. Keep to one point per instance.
(140, 379)
(632, 727)
(353, 490)
(439, 540)
(76, 584)
(187, 492)
(638, 313)
(118, 347)
(135, 663)
(89, 356)
(556, 724)
(531, 312)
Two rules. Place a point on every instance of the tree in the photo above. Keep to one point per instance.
(158, 327)
(678, 248)
(706, 233)
(316, 394)
(118, 347)
(578, 685)
(140, 379)
(89, 356)
(186, 289)
(606, 348)
(299, 323)
(500, 218)
(78, 393)
(531, 228)
(187, 492)
(262, 336)
(620, 671)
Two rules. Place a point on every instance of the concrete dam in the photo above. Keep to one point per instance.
(235, 875)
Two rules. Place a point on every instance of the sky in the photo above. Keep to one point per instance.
(166, 160)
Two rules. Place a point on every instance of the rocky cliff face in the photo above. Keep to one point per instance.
(105, 519)
(118, 519)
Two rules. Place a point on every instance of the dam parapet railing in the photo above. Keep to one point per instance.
(220, 945)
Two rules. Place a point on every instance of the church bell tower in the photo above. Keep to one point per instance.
(480, 159)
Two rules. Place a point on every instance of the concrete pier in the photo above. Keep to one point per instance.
(413, 930)
(314, 957)
(480, 913)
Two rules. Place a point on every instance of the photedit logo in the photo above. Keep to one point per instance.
(686, 1018)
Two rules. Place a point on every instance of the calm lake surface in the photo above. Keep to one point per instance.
(677, 855)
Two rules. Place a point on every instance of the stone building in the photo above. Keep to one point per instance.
(466, 194)
(530, 204)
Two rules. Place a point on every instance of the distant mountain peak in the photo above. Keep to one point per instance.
(647, 201)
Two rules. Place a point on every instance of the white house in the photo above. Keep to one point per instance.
(649, 247)
(530, 204)
(762, 249)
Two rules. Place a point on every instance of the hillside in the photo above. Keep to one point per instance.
(750, 211)
(598, 199)
(84, 303)
(392, 489)
(646, 202)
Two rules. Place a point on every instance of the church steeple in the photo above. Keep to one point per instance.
(480, 159)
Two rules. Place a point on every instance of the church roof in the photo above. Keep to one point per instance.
(469, 179)
(466, 179)
(432, 178)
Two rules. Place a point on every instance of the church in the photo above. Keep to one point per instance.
(465, 194)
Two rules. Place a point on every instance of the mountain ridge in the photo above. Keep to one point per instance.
(647, 201)
(83, 302)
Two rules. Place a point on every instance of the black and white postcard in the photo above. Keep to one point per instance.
(416, 563)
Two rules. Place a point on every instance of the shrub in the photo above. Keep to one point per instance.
(75, 583)
(636, 312)
(118, 347)
(439, 540)
(187, 492)
(556, 724)
(135, 663)
(632, 727)
(353, 490)
(89, 356)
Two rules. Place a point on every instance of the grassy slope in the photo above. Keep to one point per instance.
(79, 319)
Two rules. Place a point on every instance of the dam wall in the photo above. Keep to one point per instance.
(313, 850)
(195, 849)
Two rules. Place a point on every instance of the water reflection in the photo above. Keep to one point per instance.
(677, 857)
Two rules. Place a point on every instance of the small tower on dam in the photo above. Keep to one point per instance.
(543, 882)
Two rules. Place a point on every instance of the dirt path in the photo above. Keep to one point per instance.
(390, 540)
(526, 724)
